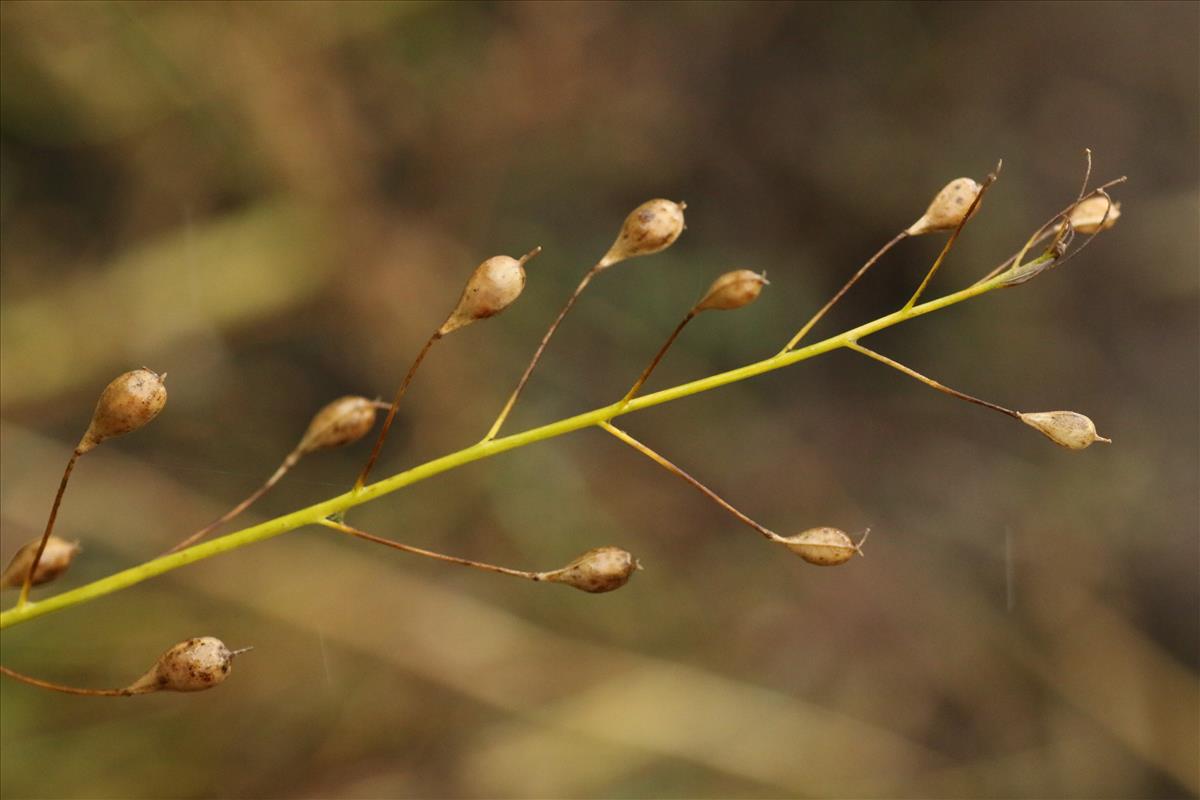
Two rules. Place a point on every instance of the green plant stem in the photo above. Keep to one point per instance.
(485, 449)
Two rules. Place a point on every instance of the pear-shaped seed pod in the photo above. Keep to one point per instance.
(734, 289)
(344, 421)
(1066, 428)
(56, 558)
(492, 287)
(649, 228)
(190, 666)
(949, 207)
(1094, 215)
(601, 569)
(825, 547)
(126, 404)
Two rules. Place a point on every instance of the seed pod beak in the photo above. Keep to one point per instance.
(532, 254)
(238, 652)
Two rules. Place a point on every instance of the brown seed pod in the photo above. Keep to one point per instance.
(492, 287)
(825, 547)
(190, 666)
(126, 404)
(949, 207)
(1066, 428)
(601, 569)
(1090, 215)
(56, 558)
(651, 227)
(734, 289)
(344, 421)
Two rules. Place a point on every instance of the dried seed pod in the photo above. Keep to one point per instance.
(649, 228)
(734, 289)
(190, 666)
(825, 547)
(492, 287)
(344, 421)
(126, 404)
(949, 207)
(56, 558)
(601, 569)
(1090, 215)
(1066, 428)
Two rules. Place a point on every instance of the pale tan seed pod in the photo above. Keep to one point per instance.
(56, 558)
(190, 666)
(1066, 428)
(601, 569)
(126, 404)
(734, 289)
(650, 228)
(342, 422)
(824, 546)
(949, 207)
(492, 287)
(1090, 215)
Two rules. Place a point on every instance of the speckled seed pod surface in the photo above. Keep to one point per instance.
(493, 287)
(734, 289)
(126, 404)
(602, 569)
(56, 558)
(651, 227)
(342, 422)
(949, 207)
(1065, 428)
(824, 546)
(190, 666)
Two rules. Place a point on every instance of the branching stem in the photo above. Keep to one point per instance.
(662, 351)
(62, 488)
(58, 687)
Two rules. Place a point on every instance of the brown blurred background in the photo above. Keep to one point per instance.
(277, 202)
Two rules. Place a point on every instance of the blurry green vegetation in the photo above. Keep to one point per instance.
(276, 203)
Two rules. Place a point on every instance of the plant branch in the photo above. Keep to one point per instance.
(484, 449)
(662, 351)
(62, 489)
(58, 687)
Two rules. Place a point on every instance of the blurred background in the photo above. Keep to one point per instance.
(277, 203)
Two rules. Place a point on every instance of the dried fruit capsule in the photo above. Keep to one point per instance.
(1094, 215)
(735, 289)
(949, 207)
(1065, 428)
(492, 287)
(825, 547)
(601, 569)
(344, 421)
(651, 227)
(190, 666)
(56, 558)
(126, 404)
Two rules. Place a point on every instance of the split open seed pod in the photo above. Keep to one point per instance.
(56, 558)
(493, 286)
(126, 404)
(601, 569)
(650, 228)
(1094, 215)
(1065, 428)
(824, 546)
(949, 207)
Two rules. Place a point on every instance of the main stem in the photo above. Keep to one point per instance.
(485, 449)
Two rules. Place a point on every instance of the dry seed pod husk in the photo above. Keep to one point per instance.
(601, 569)
(1066, 428)
(126, 404)
(734, 289)
(190, 666)
(824, 546)
(1088, 215)
(492, 287)
(650, 228)
(949, 207)
(56, 558)
(342, 422)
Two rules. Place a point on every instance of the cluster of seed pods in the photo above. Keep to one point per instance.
(135, 398)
